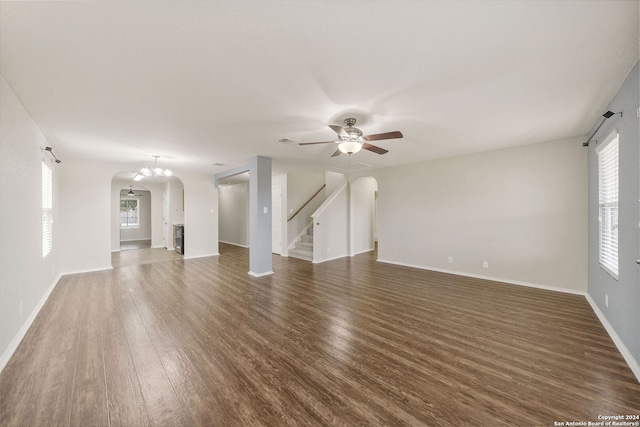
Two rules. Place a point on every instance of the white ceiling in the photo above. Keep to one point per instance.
(204, 82)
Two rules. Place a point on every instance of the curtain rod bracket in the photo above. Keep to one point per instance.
(606, 115)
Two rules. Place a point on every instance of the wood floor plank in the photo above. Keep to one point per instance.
(124, 397)
(89, 398)
(21, 382)
(347, 342)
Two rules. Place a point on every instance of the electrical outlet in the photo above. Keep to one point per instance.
(450, 260)
(485, 264)
(606, 300)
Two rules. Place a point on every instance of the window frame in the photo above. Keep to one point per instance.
(608, 160)
(129, 227)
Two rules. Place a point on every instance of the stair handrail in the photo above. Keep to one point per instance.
(307, 202)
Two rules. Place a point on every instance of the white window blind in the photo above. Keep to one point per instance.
(608, 204)
(47, 209)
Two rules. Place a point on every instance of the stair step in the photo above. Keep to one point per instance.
(305, 246)
(301, 254)
(306, 238)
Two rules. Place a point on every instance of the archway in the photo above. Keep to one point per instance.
(160, 202)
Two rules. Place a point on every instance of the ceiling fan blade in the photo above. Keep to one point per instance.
(339, 130)
(374, 149)
(336, 153)
(312, 143)
(386, 135)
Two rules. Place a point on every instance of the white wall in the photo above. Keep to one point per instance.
(362, 201)
(233, 218)
(85, 215)
(200, 215)
(281, 181)
(88, 214)
(331, 227)
(334, 180)
(522, 210)
(25, 277)
(175, 190)
(300, 187)
(623, 295)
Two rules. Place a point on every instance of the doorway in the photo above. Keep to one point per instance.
(148, 217)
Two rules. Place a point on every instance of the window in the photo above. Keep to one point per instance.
(608, 204)
(129, 213)
(47, 209)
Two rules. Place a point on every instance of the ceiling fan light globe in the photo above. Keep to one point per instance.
(158, 171)
(350, 147)
(168, 173)
(145, 171)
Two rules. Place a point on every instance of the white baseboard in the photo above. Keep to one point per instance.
(135, 240)
(66, 273)
(233, 244)
(628, 357)
(330, 259)
(201, 256)
(493, 279)
(158, 247)
(362, 251)
(4, 359)
(251, 273)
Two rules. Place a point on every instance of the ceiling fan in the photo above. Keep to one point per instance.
(351, 140)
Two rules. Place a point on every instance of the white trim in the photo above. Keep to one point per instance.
(91, 270)
(363, 251)
(329, 200)
(201, 256)
(494, 279)
(608, 139)
(158, 247)
(134, 240)
(330, 259)
(251, 273)
(233, 244)
(628, 357)
(115, 250)
(6, 356)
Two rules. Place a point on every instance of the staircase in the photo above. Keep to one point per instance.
(304, 248)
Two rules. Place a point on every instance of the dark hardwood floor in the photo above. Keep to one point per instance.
(348, 342)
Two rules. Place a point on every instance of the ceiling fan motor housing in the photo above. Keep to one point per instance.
(355, 134)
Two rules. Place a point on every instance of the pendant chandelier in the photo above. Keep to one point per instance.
(154, 170)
